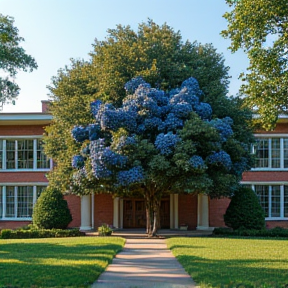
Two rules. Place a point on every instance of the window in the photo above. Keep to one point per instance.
(271, 153)
(23, 154)
(16, 202)
(273, 199)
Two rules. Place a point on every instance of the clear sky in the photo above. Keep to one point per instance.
(57, 30)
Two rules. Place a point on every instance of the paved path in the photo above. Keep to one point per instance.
(144, 263)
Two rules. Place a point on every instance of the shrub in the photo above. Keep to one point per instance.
(39, 233)
(104, 230)
(51, 210)
(245, 211)
(275, 232)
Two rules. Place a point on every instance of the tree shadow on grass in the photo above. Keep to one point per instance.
(53, 265)
(226, 273)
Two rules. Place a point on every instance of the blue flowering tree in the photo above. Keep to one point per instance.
(157, 143)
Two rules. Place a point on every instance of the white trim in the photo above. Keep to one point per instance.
(269, 135)
(26, 170)
(25, 116)
(23, 184)
(270, 169)
(264, 183)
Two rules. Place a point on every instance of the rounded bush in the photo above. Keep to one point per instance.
(245, 211)
(51, 210)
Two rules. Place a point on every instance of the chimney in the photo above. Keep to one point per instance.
(45, 106)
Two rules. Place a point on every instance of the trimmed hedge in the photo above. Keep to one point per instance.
(39, 233)
(245, 211)
(275, 232)
(51, 210)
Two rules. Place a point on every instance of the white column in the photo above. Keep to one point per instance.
(85, 212)
(92, 210)
(176, 224)
(172, 211)
(116, 212)
(203, 213)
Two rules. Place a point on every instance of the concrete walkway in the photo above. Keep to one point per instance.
(144, 263)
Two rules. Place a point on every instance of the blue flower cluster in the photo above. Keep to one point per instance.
(95, 106)
(184, 97)
(131, 176)
(220, 158)
(204, 110)
(192, 85)
(78, 161)
(99, 168)
(197, 162)
(171, 123)
(93, 131)
(166, 142)
(80, 134)
(223, 126)
(134, 83)
(181, 110)
(110, 158)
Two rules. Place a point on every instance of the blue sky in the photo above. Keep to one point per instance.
(57, 30)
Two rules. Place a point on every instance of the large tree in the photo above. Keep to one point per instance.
(12, 59)
(158, 143)
(261, 29)
(159, 55)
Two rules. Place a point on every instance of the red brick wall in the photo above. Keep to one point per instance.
(13, 224)
(45, 106)
(74, 204)
(280, 128)
(264, 176)
(103, 210)
(217, 208)
(21, 130)
(187, 210)
(273, 224)
(8, 177)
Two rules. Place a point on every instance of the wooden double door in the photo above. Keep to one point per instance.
(134, 213)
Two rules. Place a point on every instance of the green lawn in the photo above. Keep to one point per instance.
(55, 262)
(221, 262)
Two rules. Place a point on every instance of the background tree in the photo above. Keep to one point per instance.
(155, 52)
(158, 143)
(261, 29)
(12, 58)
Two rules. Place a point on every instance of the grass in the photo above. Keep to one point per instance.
(55, 262)
(229, 262)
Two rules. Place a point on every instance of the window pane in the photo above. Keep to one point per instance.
(10, 202)
(1, 202)
(10, 154)
(25, 154)
(42, 161)
(275, 153)
(262, 191)
(40, 189)
(285, 201)
(262, 153)
(1, 154)
(25, 201)
(285, 144)
(275, 201)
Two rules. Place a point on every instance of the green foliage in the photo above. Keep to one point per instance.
(277, 232)
(12, 58)
(245, 211)
(260, 28)
(51, 210)
(104, 230)
(155, 52)
(39, 233)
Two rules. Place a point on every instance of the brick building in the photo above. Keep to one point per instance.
(23, 166)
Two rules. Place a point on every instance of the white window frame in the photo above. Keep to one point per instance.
(281, 184)
(14, 138)
(270, 136)
(4, 185)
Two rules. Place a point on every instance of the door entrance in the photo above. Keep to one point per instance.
(134, 213)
